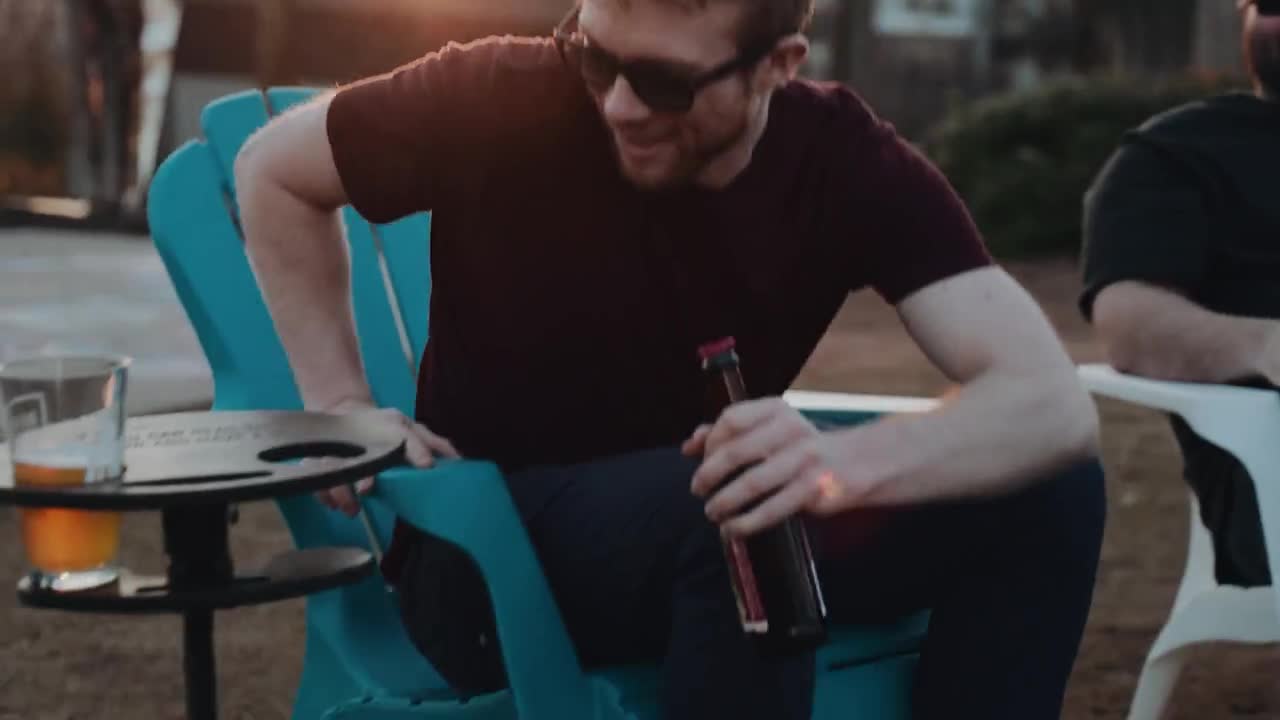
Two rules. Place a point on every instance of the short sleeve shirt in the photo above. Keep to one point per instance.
(567, 305)
(1189, 203)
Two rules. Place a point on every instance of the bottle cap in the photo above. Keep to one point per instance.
(716, 347)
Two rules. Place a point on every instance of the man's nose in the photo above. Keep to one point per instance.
(621, 104)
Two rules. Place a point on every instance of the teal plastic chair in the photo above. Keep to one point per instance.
(358, 662)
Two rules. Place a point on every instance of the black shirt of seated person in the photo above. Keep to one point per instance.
(1191, 202)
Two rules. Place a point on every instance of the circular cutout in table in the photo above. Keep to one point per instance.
(224, 457)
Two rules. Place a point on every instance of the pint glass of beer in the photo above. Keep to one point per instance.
(64, 423)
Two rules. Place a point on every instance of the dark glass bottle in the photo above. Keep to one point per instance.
(773, 574)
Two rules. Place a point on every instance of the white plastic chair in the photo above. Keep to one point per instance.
(1246, 423)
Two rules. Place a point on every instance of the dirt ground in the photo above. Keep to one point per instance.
(61, 666)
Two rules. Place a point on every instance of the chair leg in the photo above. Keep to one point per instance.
(1163, 664)
(1198, 573)
(1155, 685)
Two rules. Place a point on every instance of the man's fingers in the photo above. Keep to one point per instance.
(322, 496)
(344, 500)
(441, 446)
(792, 498)
(757, 444)
(364, 486)
(417, 452)
(696, 443)
(738, 419)
(754, 485)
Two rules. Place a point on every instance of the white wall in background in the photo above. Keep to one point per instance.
(941, 18)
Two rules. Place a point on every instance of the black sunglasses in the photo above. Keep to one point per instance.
(1265, 7)
(659, 85)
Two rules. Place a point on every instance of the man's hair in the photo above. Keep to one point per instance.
(763, 21)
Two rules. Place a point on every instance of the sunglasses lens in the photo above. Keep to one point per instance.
(1268, 7)
(661, 90)
(657, 87)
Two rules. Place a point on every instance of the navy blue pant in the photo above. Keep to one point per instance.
(639, 574)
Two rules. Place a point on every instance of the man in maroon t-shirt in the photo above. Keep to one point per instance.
(604, 202)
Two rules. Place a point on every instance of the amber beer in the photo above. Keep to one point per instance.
(59, 540)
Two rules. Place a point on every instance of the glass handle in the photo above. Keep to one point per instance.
(12, 414)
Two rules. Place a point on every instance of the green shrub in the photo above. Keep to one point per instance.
(1022, 161)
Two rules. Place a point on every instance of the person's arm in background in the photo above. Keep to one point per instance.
(1151, 331)
(1145, 253)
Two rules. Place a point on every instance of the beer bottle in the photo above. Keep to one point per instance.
(773, 575)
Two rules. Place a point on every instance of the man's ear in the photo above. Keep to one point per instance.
(787, 57)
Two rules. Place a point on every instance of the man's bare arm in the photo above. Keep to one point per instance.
(1019, 414)
(1019, 411)
(1157, 333)
(289, 193)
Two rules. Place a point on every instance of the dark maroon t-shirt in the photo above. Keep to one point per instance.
(567, 305)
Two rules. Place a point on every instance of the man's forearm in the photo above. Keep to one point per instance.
(1158, 334)
(299, 255)
(999, 432)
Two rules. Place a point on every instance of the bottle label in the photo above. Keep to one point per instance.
(745, 588)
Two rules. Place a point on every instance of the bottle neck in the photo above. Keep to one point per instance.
(726, 377)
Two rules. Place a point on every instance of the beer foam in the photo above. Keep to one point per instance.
(63, 457)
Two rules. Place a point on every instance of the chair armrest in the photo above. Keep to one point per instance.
(831, 408)
(1239, 420)
(1243, 421)
(467, 503)
(1180, 398)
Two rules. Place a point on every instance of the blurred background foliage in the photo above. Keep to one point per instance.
(1023, 160)
(32, 101)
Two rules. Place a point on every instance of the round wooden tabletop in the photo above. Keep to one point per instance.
(215, 457)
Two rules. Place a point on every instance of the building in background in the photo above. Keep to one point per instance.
(231, 45)
(113, 86)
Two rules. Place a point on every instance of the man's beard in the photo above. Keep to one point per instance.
(689, 166)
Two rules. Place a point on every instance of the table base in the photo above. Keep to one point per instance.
(201, 580)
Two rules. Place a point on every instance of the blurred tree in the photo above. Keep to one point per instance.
(32, 102)
(271, 32)
(1217, 38)
(1133, 35)
(1023, 160)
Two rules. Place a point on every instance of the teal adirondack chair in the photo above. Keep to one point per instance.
(358, 662)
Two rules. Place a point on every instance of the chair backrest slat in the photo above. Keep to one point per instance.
(390, 375)
(407, 251)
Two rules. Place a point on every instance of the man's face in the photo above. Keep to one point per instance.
(1262, 46)
(670, 149)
